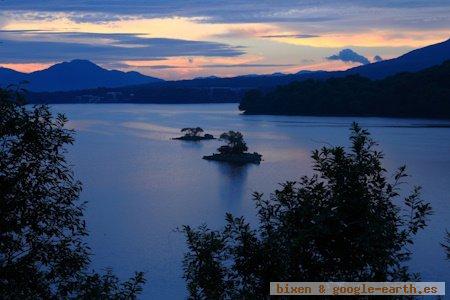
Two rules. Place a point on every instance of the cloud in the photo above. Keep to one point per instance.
(298, 36)
(41, 46)
(245, 32)
(247, 65)
(162, 67)
(284, 33)
(99, 18)
(364, 13)
(348, 55)
(377, 58)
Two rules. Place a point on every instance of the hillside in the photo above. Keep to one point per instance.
(413, 61)
(422, 94)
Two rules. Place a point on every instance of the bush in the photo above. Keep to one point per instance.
(340, 224)
(42, 250)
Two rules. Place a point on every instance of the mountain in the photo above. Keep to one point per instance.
(8, 76)
(413, 61)
(421, 94)
(74, 75)
(231, 89)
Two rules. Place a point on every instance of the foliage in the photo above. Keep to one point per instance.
(341, 224)
(42, 250)
(446, 245)
(235, 143)
(108, 286)
(422, 94)
(192, 131)
(203, 263)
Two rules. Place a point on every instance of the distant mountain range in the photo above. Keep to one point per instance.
(74, 75)
(413, 61)
(83, 81)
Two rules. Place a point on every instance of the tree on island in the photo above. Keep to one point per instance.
(194, 134)
(42, 230)
(192, 131)
(235, 151)
(235, 143)
(340, 224)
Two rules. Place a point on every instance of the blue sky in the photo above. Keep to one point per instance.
(185, 39)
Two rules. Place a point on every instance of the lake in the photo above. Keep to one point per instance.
(141, 185)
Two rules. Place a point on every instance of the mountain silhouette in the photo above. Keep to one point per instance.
(205, 89)
(74, 75)
(413, 61)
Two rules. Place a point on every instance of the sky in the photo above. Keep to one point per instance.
(183, 39)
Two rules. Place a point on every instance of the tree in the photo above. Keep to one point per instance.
(446, 245)
(42, 250)
(403, 94)
(235, 143)
(341, 224)
(192, 131)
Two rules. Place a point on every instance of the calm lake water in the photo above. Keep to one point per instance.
(141, 185)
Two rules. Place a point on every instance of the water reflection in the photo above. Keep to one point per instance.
(233, 180)
(190, 144)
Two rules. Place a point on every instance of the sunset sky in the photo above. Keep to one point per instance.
(186, 39)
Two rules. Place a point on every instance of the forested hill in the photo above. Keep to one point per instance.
(422, 94)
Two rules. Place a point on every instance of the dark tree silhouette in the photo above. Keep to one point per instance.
(421, 94)
(192, 131)
(235, 143)
(341, 224)
(42, 250)
(446, 245)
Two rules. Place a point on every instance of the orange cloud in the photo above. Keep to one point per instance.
(174, 27)
(27, 67)
(195, 62)
(370, 39)
(188, 67)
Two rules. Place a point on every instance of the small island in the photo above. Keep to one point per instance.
(235, 150)
(193, 134)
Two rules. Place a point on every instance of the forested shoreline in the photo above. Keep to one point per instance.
(421, 94)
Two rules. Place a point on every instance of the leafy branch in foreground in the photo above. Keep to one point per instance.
(42, 250)
(446, 245)
(341, 224)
